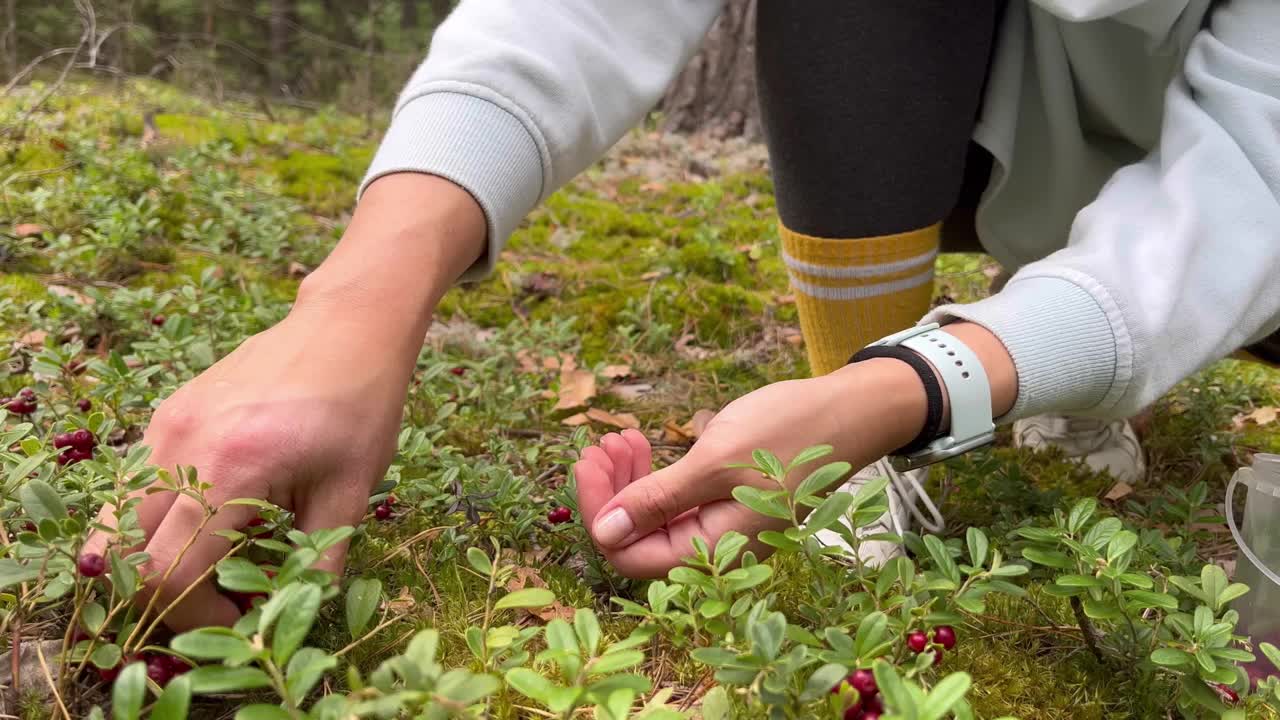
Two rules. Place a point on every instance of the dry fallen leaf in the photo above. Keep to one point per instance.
(526, 361)
(685, 348)
(621, 421)
(651, 275)
(1119, 491)
(34, 339)
(613, 372)
(577, 387)
(64, 291)
(576, 420)
(402, 604)
(528, 577)
(27, 229)
(674, 434)
(298, 270)
(1260, 416)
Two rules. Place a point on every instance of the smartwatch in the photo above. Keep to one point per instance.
(944, 364)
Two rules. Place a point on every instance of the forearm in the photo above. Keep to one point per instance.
(411, 236)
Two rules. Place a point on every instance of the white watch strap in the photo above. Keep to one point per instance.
(967, 387)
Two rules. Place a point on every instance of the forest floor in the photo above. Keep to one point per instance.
(657, 272)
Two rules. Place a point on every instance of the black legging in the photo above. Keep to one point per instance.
(868, 107)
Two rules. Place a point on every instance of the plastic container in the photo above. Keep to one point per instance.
(1258, 560)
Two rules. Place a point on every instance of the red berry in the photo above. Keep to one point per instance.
(79, 635)
(158, 670)
(1228, 695)
(157, 320)
(853, 712)
(27, 394)
(391, 500)
(870, 716)
(459, 371)
(560, 516)
(29, 527)
(864, 682)
(937, 656)
(945, 635)
(382, 512)
(91, 565)
(84, 404)
(873, 704)
(82, 439)
(21, 406)
(62, 440)
(107, 675)
(243, 601)
(917, 641)
(177, 666)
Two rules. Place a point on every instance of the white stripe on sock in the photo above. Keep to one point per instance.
(861, 291)
(858, 271)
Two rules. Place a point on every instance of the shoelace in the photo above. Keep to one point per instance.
(906, 485)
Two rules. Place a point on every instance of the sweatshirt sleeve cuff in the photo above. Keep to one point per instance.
(1067, 351)
(475, 144)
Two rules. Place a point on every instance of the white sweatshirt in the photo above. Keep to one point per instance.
(1136, 180)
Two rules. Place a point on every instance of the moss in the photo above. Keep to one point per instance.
(325, 183)
(195, 130)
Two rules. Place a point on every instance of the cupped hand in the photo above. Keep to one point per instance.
(295, 416)
(644, 520)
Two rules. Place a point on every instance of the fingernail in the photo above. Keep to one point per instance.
(614, 527)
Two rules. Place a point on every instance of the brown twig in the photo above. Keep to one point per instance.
(1091, 636)
(49, 679)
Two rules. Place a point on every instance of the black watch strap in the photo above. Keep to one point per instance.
(932, 390)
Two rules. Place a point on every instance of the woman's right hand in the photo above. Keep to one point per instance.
(305, 414)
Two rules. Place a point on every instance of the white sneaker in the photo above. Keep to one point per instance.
(1110, 446)
(905, 490)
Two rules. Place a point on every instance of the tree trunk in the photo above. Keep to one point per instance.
(716, 92)
(281, 37)
(408, 15)
(9, 38)
(440, 9)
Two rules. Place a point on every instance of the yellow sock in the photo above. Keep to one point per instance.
(851, 292)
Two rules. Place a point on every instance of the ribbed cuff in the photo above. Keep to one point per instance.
(1068, 355)
(474, 143)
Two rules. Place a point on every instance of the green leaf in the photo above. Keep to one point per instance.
(767, 635)
(1232, 592)
(1097, 610)
(1079, 581)
(41, 501)
(464, 688)
(14, 573)
(260, 711)
(1272, 653)
(727, 549)
(214, 643)
(294, 624)
(747, 577)
(809, 455)
(1049, 558)
(239, 574)
(822, 680)
(941, 557)
(778, 540)
(716, 704)
(106, 656)
(128, 692)
(362, 601)
(1171, 657)
(1213, 580)
(978, 544)
(1121, 543)
(212, 679)
(827, 513)
(944, 696)
(124, 576)
(294, 565)
(870, 633)
(526, 598)
(92, 615)
(891, 686)
(768, 462)
(1080, 514)
(587, 628)
(614, 661)
(306, 667)
(530, 684)
(768, 504)
(480, 561)
(1148, 599)
(175, 701)
(822, 478)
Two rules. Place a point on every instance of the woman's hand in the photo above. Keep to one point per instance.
(644, 521)
(305, 415)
